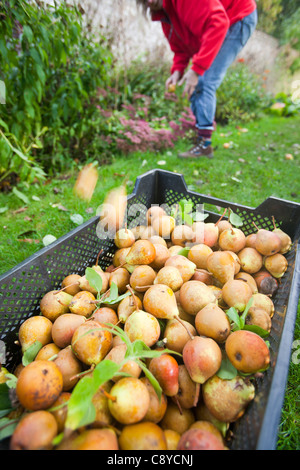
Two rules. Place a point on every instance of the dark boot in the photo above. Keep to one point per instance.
(198, 150)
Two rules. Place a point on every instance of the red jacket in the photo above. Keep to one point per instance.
(196, 29)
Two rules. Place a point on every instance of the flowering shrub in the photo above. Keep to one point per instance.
(135, 128)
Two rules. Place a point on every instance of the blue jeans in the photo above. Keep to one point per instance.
(203, 100)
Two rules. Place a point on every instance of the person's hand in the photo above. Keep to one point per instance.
(190, 81)
(172, 81)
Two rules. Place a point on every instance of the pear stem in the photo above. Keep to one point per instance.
(221, 217)
(197, 392)
(255, 225)
(82, 374)
(63, 288)
(274, 223)
(178, 404)
(108, 395)
(117, 267)
(182, 323)
(133, 296)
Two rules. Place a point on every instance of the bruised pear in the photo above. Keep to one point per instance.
(227, 399)
(259, 317)
(247, 351)
(83, 303)
(187, 391)
(39, 384)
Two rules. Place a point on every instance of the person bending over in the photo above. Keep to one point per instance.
(205, 37)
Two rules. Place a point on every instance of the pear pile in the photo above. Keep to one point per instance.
(182, 280)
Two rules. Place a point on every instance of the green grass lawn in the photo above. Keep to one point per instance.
(253, 168)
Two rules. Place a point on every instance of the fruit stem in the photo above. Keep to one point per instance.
(182, 323)
(63, 288)
(117, 267)
(178, 404)
(255, 225)
(108, 395)
(133, 296)
(221, 217)
(82, 374)
(274, 223)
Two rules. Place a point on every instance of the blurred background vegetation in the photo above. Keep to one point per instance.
(68, 100)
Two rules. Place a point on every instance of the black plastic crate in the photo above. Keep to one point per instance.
(22, 288)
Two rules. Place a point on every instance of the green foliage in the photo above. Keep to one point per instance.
(290, 35)
(268, 13)
(241, 97)
(51, 68)
(284, 105)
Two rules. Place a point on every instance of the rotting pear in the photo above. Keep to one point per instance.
(227, 399)
(266, 283)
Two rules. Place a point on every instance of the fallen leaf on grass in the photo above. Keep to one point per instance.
(28, 240)
(18, 211)
(48, 239)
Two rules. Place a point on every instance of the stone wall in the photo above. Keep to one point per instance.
(133, 36)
